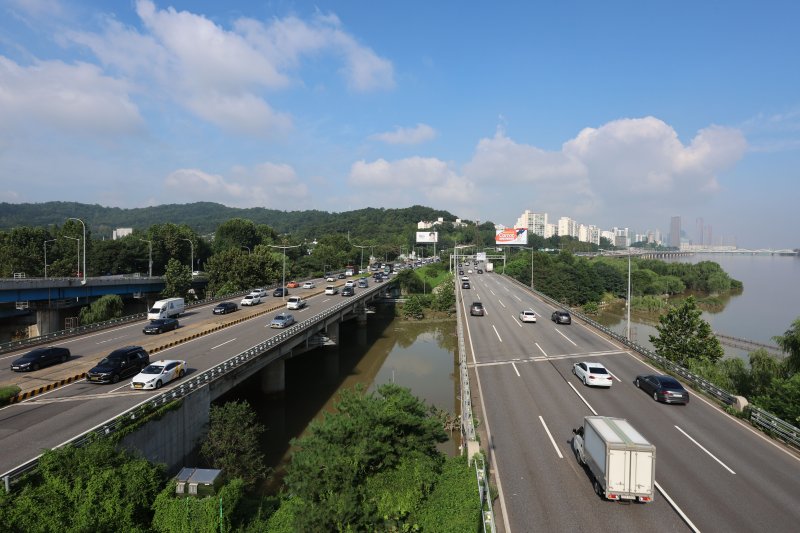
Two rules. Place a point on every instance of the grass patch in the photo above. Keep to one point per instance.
(8, 392)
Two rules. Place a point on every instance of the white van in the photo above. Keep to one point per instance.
(169, 308)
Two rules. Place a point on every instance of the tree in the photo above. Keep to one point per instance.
(790, 343)
(104, 308)
(412, 308)
(233, 442)
(683, 335)
(177, 280)
(93, 488)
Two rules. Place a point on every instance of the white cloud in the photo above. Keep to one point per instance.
(416, 135)
(265, 185)
(75, 98)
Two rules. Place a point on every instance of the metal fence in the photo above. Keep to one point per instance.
(758, 417)
(189, 385)
(468, 432)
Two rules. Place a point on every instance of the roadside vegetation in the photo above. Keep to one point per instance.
(371, 465)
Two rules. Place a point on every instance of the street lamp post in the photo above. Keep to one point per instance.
(249, 251)
(78, 248)
(84, 250)
(628, 330)
(191, 260)
(150, 262)
(45, 255)
(284, 248)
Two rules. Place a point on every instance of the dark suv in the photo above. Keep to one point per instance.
(40, 357)
(561, 317)
(224, 308)
(476, 309)
(120, 363)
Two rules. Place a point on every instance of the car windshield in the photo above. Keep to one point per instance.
(153, 369)
(107, 361)
(280, 317)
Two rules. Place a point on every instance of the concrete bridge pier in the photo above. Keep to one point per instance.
(361, 317)
(332, 332)
(273, 379)
(48, 320)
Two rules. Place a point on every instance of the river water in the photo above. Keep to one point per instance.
(418, 355)
(767, 306)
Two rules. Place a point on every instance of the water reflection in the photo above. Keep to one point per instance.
(417, 355)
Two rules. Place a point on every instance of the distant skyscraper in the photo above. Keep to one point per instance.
(675, 232)
(700, 231)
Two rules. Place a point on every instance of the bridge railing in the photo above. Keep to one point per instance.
(758, 417)
(190, 384)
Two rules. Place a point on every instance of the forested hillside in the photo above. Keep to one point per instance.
(205, 217)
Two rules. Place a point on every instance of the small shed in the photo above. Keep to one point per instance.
(199, 482)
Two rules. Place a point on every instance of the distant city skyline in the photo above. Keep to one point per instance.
(481, 112)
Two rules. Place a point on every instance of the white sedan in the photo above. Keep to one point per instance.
(159, 373)
(330, 279)
(309, 285)
(527, 315)
(591, 373)
(331, 289)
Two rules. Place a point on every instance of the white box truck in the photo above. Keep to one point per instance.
(489, 267)
(620, 461)
(169, 308)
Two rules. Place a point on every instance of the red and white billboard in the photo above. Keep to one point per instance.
(427, 237)
(511, 236)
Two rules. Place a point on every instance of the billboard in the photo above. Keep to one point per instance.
(514, 236)
(427, 237)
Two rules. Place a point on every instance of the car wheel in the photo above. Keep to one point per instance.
(584, 380)
(181, 373)
(64, 358)
(637, 384)
(158, 384)
(655, 396)
(597, 489)
(115, 378)
(573, 371)
(35, 366)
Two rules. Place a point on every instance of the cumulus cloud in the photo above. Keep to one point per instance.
(265, 185)
(222, 75)
(416, 135)
(640, 163)
(73, 98)
(411, 181)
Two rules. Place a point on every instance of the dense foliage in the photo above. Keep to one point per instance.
(93, 488)
(211, 514)
(104, 308)
(684, 336)
(370, 466)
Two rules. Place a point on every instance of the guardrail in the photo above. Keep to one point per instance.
(187, 386)
(468, 423)
(787, 432)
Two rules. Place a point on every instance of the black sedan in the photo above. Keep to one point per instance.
(224, 308)
(40, 357)
(280, 292)
(348, 291)
(663, 388)
(561, 317)
(160, 326)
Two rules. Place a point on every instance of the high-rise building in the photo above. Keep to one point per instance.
(535, 222)
(567, 227)
(675, 232)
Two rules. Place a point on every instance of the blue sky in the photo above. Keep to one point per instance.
(612, 113)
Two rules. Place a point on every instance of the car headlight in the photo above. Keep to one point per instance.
(24, 364)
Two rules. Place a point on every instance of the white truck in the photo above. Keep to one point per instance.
(489, 267)
(169, 308)
(621, 463)
(295, 302)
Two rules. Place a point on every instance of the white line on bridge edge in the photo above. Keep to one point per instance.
(223, 344)
(677, 509)
(515, 369)
(495, 332)
(570, 340)
(582, 398)
(552, 440)
(708, 452)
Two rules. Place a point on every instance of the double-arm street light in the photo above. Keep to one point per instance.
(191, 260)
(84, 249)
(45, 255)
(150, 263)
(284, 248)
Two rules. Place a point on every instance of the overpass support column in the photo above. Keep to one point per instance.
(47, 320)
(332, 332)
(273, 378)
(361, 317)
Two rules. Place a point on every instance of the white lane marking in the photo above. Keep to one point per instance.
(109, 340)
(326, 299)
(517, 321)
(677, 509)
(223, 344)
(614, 376)
(515, 369)
(501, 303)
(495, 332)
(540, 349)
(570, 340)
(552, 440)
(518, 298)
(490, 290)
(708, 452)
(582, 398)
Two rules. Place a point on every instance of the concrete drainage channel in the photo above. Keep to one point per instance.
(26, 395)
